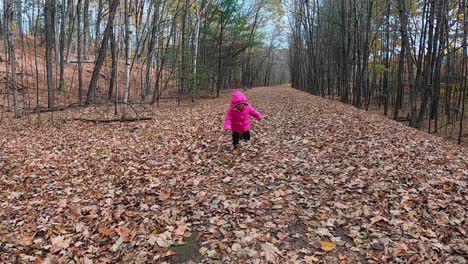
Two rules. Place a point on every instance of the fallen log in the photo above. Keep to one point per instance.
(83, 62)
(101, 121)
(403, 119)
(46, 110)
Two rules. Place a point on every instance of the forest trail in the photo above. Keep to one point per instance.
(319, 182)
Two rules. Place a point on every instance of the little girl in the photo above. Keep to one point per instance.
(238, 117)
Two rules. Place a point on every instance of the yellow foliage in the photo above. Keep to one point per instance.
(328, 246)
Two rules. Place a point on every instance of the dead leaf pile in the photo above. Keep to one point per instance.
(320, 181)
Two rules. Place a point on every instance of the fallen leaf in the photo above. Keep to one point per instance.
(323, 232)
(328, 246)
(235, 247)
(400, 247)
(59, 243)
(203, 251)
(123, 233)
(163, 242)
(62, 203)
(169, 253)
(164, 195)
(323, 217)
(26, 241)
(85, 260)
(105, 231)
(227, 179)
(310, 259)
(152, 240)
(117, 245)
(271, 252)
(180, 231)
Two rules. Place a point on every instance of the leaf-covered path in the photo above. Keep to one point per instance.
(320, 182)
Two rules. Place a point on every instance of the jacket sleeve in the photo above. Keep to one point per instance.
(228, 121)
(255, 114)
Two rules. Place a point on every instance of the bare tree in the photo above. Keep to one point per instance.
(49, 10)
(102, 53)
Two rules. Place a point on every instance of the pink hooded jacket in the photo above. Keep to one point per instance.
(239, 120)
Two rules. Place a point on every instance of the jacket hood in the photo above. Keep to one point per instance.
(238, 98)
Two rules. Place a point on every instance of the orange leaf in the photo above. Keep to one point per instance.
(262, 238)
(311, 259)
(323, 217)
(169, 253)
(104, 231)
(26, 241)
(164, 195)
(180, 231)
(343, 258)
(123, 233)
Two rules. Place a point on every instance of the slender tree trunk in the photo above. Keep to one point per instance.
(50, 29)
(80, 55)
(97, 27)
(404, 44)
(127, 52)
(71, 30)
(62, 45)
(427, 84)
(464, 71)
(115, 66)
(10, 39)
(195, 50)
(220, 59)
(86, 41)
(102, 53)
(344, 53)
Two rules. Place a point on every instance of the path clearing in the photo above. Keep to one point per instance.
(319, 181)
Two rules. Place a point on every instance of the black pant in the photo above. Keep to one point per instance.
(236, 136)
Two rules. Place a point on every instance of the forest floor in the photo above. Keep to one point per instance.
(319, 182)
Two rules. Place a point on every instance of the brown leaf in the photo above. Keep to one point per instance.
(180, 231)
(322, 217)
(163, 241)
(85, 260)
(310, 259)
(59, 243)
(169, 253)
(272, 254)
(164, 195)
(104, 231)
(123, 233)
(26, 241)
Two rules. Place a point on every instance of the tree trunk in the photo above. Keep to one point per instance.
(62, 45)
(404, 46)
(127, 52)
(86, 41)
(464, 69)
(80, 56)
(102, 53)
(97, 27)
(10, 39)
(429, 60)
(49, 10)
(115, 67)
